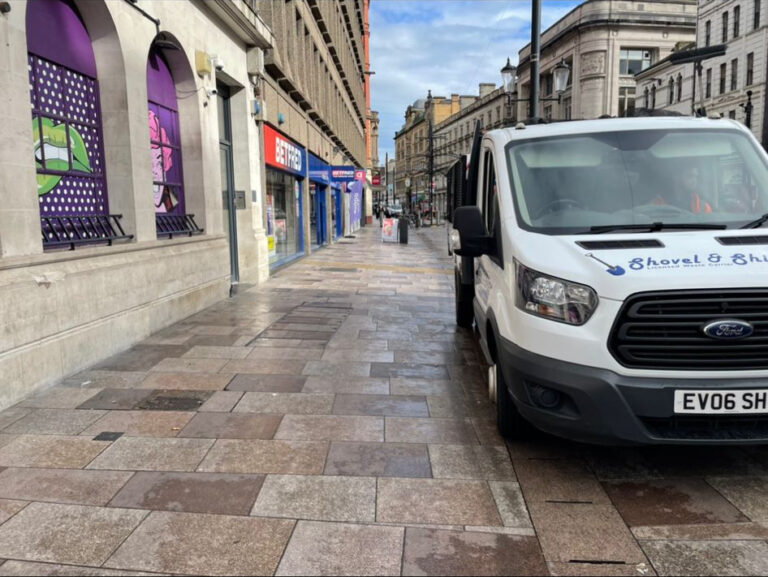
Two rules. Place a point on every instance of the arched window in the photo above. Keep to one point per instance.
(164, 136)
(66, 114)
(679, 87)
(671, 90)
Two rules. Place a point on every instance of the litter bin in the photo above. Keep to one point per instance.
(403, 229)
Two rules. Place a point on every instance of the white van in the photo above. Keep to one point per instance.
(620, 279)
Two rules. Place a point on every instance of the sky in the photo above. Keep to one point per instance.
(448, 46)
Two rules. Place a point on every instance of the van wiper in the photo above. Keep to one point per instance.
(757, 223)
(657, 226)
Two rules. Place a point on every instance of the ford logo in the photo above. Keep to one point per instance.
(727, 329)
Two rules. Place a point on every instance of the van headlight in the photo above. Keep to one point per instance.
(553, 298)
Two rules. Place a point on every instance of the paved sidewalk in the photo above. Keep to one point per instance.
(335, 421)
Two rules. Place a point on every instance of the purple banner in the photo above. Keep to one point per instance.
(355, 203)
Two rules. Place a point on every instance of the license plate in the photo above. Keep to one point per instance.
(735, 402)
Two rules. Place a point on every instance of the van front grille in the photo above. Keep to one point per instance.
(664, 330)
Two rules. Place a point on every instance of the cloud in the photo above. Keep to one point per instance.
(448, 46)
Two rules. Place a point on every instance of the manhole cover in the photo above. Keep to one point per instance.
(175, 400)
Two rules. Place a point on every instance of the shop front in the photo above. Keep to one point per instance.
(319, 183)
(285, 166)
(351, 182)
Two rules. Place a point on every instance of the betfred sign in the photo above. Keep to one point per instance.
(282, 152)
(376, 181)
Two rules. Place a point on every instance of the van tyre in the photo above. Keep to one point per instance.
(465, 294)
(510, 422)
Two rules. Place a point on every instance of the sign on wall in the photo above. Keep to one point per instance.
(283, 153)
(389, 230)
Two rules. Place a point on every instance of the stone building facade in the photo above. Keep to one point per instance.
(155, 111)
(605, 42)
(742, 26)
(412, 146)
(315, 96)
(453, 136)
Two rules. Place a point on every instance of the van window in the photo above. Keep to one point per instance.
(490, 204)
(567, 184)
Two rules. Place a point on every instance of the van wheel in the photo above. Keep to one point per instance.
(509, 421)
(464, 296)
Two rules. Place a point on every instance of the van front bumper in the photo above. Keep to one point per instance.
(603, 407)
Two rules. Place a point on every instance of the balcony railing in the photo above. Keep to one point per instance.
(171, 225)
(72, 231)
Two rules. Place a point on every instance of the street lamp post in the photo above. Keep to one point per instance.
(561, 73)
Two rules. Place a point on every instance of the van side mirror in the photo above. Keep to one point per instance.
(474, 242)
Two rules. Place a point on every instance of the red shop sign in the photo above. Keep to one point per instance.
(282, 152)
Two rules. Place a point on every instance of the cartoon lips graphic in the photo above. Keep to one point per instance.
(50, 141)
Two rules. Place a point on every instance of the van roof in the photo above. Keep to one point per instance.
(613, 125)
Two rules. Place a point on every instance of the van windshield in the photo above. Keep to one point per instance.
(582, 183)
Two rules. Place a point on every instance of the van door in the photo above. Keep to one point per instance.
(489, 270)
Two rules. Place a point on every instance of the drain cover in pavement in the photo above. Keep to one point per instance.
(174, 400)
(107, 436)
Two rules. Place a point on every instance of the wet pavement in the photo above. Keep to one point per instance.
(335, 421)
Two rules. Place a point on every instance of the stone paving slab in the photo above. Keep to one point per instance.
(708, 557)
(443, 431)
(50, 451)
(73, 487)
(671, 502)
(105, 379)
(58, 398)
(265, 367)
(198, 544)
(282, 403)
(342, 549)
(231, 426)
(186, 381)
(302, 354)
(115, 399)
(190, 492)
(70, 534)
(471, 462)
(9, 508)
(572, 532)
(141, 423)
(511, 504)
(438, 502)
(10, 416)
(268, 383)
(175, 365)
(381, 405)
(708, 532)
(559, 481)
(282, 457)
(31, 569)
(221, 402)
(349, 499)
(54, 422)
(216, 352)
(352, 385)
(434, 552)
(749, 494)
(149, 454)
(378, 460)
(330, 428)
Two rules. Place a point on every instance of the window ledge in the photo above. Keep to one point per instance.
(59, 256)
